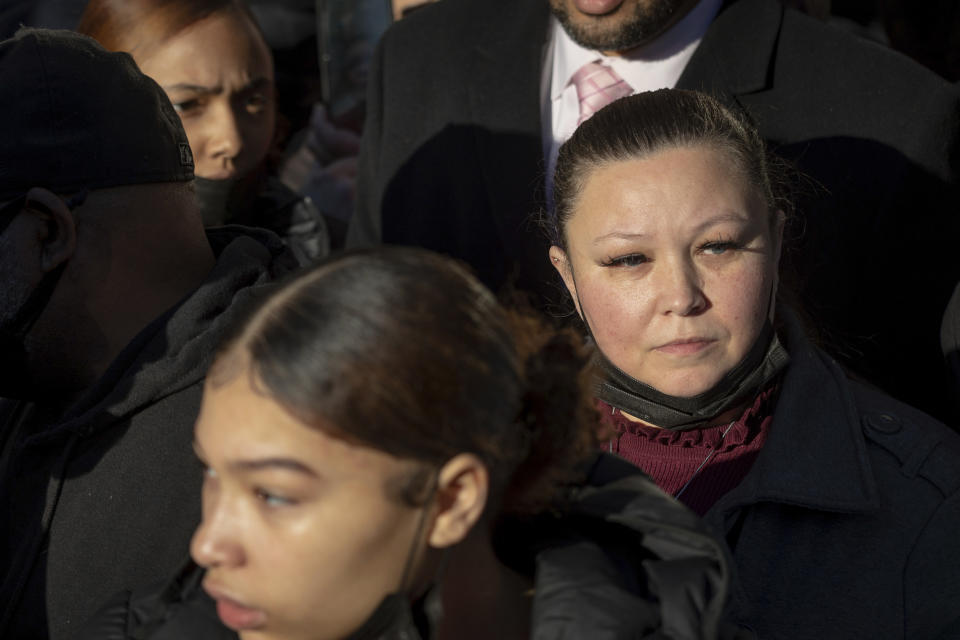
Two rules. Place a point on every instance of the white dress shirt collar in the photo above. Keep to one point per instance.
(657, 65)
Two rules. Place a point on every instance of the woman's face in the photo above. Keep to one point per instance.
(672, 262)
(298, 536)
(218, 73)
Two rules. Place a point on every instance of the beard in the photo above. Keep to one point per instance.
(633, 24)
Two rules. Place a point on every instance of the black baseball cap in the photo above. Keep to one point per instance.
(75, 116)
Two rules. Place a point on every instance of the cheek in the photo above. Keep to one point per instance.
(257, 137)
(742, 301)
(334, 567)
(617, 311)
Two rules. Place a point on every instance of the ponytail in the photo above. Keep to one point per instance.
(557, 421)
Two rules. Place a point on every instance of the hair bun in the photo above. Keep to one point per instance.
(556, 412)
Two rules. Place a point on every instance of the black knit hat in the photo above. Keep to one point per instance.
(75, 116)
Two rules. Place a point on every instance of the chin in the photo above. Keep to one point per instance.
(685, 384)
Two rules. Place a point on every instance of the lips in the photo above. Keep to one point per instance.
(686, 346)
(235, 615)
(597, 7)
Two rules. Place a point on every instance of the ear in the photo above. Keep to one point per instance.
(56, 229)
(779, 222)
(462, 487)
(560, 262)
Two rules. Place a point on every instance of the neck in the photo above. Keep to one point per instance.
(723, 418)
(482, 598)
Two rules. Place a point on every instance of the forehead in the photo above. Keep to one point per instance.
(240, 422)
(672, 187)
(223, 47)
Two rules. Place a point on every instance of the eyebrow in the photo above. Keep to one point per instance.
(723, 217)
(620, 235)
(256, 83)
(727, 216)
(261, 464)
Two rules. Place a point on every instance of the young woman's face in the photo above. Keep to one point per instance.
(298, 536)
(672, 262)
(218, 73)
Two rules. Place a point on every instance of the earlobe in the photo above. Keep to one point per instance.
(560, 262)
(57, 232)
(462, 487)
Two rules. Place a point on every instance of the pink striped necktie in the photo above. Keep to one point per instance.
(597, 86)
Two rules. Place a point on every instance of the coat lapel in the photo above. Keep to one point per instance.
(737, 53)
(815, 456)
(504, 90)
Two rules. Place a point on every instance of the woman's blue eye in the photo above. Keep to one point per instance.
(718, 248)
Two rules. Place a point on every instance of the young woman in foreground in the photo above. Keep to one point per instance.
(388, 451)
(840, 505)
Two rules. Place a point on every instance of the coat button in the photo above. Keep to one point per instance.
(883, 422)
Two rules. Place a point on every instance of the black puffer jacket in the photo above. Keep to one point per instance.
(623, 561)
(107, 496)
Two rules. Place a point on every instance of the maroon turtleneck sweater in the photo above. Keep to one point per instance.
(671, 458)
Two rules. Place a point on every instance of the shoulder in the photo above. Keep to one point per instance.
(868, 68)
(920, 447)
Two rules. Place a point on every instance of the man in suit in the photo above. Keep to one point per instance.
(469, 99)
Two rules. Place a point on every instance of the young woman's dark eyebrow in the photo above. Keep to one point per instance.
(261, 464)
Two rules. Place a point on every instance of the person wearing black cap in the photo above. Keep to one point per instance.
(112, 299)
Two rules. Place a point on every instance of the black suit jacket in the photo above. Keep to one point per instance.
(452, 160)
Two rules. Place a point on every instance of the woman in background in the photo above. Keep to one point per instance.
(389, 453)
(211, 59)
(839, 504)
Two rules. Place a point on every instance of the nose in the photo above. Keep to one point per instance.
(216, 543)
(225, 140)
(681, 288)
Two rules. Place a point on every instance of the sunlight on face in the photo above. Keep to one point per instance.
(298, 536)
(218, 73)
(672, 261)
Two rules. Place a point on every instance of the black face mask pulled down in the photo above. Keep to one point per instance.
(219, 200)
(14, 371)
(765, 360)
(396, 618)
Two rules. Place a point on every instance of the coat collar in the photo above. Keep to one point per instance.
(737, 53)
(816, 455)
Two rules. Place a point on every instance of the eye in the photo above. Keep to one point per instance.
(256, 102)
(272, 500)
(187, 107)
(629, 260)
(719, 247)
